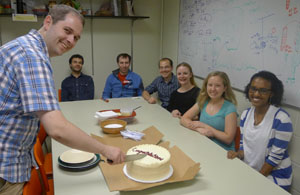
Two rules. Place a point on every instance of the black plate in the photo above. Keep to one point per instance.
(80, 167)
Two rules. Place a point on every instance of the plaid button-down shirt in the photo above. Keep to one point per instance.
(164, 89)
(26, 86)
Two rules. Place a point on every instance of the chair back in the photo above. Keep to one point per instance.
(237, 138)
(42, 134)
(39, 157)
(59, 95)
(33, 186)
(38, 152)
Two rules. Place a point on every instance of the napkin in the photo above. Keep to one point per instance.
(137, 136)
(105, 114)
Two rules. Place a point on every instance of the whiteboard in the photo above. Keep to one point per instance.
(242, 37)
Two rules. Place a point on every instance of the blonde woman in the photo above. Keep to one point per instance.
(186, 95)
(217, 104)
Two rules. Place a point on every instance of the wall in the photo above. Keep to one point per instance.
(170, 48)
(110, 37)
(242, 38)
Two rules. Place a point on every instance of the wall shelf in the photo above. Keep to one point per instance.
(119, 17)
(100, 17)
(5, 14)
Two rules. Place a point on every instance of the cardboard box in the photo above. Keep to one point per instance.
(184, 168)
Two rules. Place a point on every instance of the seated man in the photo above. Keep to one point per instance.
(164, 84)
(77, 86)
(123, 82)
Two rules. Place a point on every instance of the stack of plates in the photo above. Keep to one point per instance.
(76, 160)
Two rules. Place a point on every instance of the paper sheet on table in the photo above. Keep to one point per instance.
(184, 167)
(106, 114)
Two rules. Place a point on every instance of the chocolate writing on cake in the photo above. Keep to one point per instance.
(148, 153)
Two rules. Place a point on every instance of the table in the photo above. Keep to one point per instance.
(218, 175)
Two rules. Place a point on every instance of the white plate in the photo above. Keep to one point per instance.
(76, 156)
(152, 181)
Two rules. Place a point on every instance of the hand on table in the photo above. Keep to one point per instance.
(195, 124)
(151, 100)
(176, 114)
(206, 132)
(105, 100)
(233, 154)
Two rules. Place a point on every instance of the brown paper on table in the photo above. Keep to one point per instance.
(184, 168)
(152, 136)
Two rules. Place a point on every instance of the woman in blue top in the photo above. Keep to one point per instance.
(218, 119)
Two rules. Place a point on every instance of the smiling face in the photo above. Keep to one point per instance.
(63, 35)
(184, 75)
(76, 65)
(124, 65)
(260, 92)
(215, 87)
(165, 69)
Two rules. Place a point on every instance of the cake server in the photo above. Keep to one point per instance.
(131, 157)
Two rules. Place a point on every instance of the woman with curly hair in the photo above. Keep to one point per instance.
(216, 102)
(266, 130)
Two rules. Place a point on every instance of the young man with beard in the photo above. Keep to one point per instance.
(28, 97)
(122, 82)
(77, 86)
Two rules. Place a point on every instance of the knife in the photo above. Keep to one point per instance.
(131, 157)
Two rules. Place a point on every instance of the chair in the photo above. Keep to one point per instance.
(42, 136)
(34, 186)
(42, 160)
(59, 95)
(237, 138)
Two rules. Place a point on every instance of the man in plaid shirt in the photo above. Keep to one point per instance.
(28, 95)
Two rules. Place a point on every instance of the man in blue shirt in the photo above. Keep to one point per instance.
(28, 96)
(164, 84)
(77, 86)
(123, 82)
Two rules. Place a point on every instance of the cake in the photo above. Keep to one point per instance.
(154, 166)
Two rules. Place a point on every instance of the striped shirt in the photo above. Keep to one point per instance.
(164, 89)
(27, 86)
(268, 142)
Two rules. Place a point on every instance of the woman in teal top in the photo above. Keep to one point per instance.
(217, 121)
(216, 102)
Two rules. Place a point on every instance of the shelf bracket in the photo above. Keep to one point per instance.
(131, 44)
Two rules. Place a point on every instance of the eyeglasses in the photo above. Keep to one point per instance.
(261, 91)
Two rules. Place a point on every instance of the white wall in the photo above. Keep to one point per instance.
(110, 37)
(170, 47)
